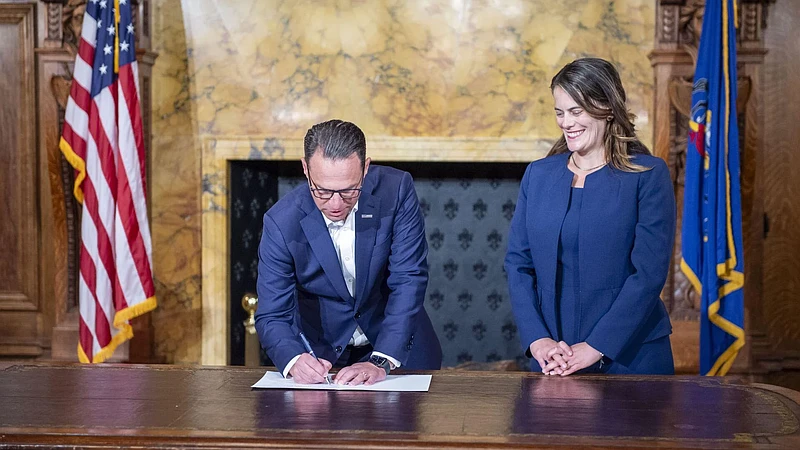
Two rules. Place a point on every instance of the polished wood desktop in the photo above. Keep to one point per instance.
(214, 407)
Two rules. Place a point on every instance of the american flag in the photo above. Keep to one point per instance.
(102, 139)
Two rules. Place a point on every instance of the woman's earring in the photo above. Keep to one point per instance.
(609, 118)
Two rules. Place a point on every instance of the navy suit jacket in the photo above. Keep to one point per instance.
(626, 232)
(301, 286)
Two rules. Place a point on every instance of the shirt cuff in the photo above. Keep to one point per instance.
(395, 363)
(290, 365)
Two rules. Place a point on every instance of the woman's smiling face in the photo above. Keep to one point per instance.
(584, 133)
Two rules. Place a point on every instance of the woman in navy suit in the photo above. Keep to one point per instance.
(591, 238)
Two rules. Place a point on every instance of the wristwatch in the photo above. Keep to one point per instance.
(381, 362)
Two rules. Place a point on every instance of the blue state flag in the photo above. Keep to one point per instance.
(711, 233)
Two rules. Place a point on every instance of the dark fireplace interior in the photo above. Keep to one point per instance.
(467, 208)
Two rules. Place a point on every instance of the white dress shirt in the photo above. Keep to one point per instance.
(343, 235)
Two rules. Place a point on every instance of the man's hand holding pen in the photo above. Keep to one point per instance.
(312, 370)
(309, 370)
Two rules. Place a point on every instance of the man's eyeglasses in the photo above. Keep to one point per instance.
(327, 194)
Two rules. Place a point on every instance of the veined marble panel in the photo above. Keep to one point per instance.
(175, 193)
(457, 80)
(404, 68)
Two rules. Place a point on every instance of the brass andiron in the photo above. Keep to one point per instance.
(252, 348)
(250, 304)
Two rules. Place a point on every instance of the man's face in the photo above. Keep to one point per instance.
(329, 175)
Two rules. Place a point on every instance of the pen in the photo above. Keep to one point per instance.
(310, 351)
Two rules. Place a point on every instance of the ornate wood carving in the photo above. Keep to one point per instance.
(680, 21)
(54, 34)
(750, 25)
(65, 18)
(63, 192)
(64, 21)
(141, 17)
(146, 18)
(668, 24)
(72, 19)
(691, 23)
(135, 18)
(762, 11)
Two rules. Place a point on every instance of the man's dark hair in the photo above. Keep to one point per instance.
(336, 139)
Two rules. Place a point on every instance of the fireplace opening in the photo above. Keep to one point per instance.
(467, 207)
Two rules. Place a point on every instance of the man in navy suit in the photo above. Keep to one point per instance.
(343, 260)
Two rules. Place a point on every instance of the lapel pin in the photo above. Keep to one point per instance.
(366, 216)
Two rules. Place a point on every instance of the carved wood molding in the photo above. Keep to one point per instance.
(65, 19)
(679, 22)
(752, 20)
(54, 35)
(59, 87)
(764, 10)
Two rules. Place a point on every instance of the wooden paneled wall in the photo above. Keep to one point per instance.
(20, 245)
(780, 311)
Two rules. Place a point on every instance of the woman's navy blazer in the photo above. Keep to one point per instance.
(626, 233)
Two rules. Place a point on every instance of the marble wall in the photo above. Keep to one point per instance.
(175, 192)
(457, 69)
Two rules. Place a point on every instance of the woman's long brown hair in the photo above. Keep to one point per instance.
(595, 85)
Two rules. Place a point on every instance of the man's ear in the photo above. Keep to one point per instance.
(366, 166)
(305, 167)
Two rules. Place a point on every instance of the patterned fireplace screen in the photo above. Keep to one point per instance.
(467, 208)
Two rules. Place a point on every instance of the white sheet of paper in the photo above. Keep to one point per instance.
(392, 383)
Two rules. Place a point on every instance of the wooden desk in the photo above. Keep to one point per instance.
(169, 406)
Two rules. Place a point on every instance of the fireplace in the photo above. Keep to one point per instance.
(467, 189)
